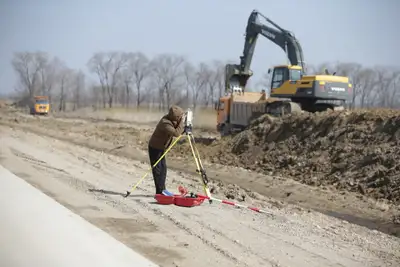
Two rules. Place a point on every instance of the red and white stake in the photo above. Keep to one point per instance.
(235, 204)
(184, 191)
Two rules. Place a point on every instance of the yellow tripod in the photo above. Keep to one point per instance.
(199, 166)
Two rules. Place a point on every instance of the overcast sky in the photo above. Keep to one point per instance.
(363, 31)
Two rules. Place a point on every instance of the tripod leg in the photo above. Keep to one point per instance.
(194, 154)
(198, 155)
(200, 168)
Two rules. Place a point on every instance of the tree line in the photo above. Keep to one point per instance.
(132, 79)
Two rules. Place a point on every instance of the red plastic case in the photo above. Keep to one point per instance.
(164, 200)
(188, 201)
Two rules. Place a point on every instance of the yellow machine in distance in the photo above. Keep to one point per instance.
(40, 105)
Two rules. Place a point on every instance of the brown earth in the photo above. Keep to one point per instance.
(310, 149)
(354, 151)
(91, 183)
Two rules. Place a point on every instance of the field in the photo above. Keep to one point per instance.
(329, 181)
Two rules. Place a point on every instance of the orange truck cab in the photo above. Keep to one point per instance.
(41, 105)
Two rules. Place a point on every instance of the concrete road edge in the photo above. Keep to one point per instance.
(35, 230)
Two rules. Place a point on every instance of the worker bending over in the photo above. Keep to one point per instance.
(171, 125)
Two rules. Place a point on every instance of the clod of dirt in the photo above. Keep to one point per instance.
(233, 191)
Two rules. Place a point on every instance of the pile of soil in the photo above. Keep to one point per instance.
(356, 151)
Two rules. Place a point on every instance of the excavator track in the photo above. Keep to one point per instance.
(280, 108)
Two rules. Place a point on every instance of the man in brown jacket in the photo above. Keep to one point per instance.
(171, 125)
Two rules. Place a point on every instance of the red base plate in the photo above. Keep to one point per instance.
(165, 200)
(188, 201)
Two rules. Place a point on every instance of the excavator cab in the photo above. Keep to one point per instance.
(284, 79)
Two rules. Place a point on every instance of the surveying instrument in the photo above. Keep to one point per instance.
(188, 127)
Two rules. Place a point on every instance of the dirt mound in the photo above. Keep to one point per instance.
(356, 151)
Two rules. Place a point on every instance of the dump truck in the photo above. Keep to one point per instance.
(291, 88)
(40, 105)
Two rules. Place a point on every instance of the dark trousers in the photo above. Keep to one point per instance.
(160, 170)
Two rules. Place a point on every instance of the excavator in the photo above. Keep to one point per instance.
(291, 88)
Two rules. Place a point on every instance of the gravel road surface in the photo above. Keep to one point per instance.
(90, 183)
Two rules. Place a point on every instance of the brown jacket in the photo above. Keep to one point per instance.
(170, 125)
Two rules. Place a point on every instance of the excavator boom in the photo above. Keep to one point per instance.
(238, 75)
(281, 37)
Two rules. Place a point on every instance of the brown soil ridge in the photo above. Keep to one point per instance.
(357, 151)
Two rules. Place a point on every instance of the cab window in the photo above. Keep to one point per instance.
(295, 75)
(279, 77)
(42, 101)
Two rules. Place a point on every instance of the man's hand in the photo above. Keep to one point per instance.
(179, 121)
(182, 119)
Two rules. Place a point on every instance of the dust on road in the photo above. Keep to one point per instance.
(90, 183)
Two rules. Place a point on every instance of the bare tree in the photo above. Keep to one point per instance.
(367, 83)
(167, 69)
(394, 101)
(49, 75)
(220, 77)
(189, 73)
(196, 79)
(78, 87)
(127, 80)
(203, 79)
(126, 76)
(385, 79)
(215, 80)
(65, 81)
(108, 66)
(28, 65)
(351, 70)
(95, 95)
(139, 66)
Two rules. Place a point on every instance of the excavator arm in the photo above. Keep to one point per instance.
(237, 75)
(281, 37)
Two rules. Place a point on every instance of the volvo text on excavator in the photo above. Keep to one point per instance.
(291, 88)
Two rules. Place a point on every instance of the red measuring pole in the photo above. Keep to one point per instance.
(235, 204)
(184, 191)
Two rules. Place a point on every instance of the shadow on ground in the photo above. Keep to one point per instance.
(109, 192)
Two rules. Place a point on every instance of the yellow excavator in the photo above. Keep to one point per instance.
(291, 88)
